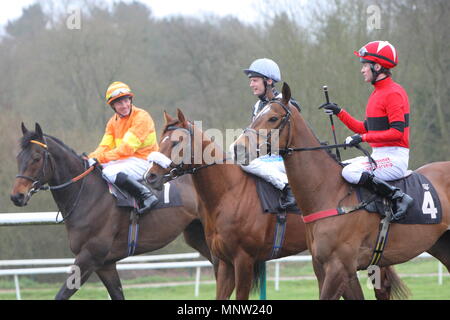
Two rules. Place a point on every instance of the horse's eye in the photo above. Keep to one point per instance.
(36, 158)
(273, 119)
(175, 143)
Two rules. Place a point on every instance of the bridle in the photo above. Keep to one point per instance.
(287, 150)
(38, 183)
(177, 170)
(285, 120)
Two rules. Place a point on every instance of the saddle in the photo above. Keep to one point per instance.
(426, 208)
(168, 197)
(271, 198)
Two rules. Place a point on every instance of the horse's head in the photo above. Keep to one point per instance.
(34, 166)
(175, 154)
(270, 128)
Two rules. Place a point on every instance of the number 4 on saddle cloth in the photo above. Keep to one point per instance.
(426, 208)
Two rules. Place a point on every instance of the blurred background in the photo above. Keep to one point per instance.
(58, 57)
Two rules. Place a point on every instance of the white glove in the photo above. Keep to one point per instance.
(92, 162)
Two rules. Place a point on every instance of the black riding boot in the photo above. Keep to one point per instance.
(400, 200)
(144, 196)
(287, 198)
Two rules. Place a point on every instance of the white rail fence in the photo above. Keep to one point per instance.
(136, 263)
(130, 263)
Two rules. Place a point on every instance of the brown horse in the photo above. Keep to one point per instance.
(237, 232)
(341, 245)
(97, 228)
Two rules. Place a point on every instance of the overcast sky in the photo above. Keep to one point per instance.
(243, 9)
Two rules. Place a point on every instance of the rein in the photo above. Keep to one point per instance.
(289, 151)
(38, 185)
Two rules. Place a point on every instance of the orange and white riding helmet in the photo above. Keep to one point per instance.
(381, 52)
(117, 90)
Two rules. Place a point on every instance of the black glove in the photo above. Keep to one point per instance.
(330, 108)
(353, 140)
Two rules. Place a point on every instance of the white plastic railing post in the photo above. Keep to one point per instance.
(277, 276)
(16, 283)
(439, 273)
(197, 281)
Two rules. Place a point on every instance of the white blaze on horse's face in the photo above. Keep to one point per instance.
(163, 140)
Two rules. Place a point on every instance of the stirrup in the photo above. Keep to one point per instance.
(154, 200)
(406, 202)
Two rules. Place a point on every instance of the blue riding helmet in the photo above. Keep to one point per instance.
(264, 68)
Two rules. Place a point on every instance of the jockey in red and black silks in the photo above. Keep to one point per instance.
(385, 128)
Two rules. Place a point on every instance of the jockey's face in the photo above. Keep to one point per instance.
(367, 72)
(257, 85)
(122, 106)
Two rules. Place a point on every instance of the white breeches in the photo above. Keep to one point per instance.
(133, 167)
(392, 164)
(269, 168)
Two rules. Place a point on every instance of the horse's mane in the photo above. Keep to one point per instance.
(31, 135)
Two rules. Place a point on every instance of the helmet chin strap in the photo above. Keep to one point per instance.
(264, 94)
(375, 73)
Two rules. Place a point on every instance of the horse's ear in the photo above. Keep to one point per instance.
(24, 129)
(181, 116)
(286, 93)
(39, 131)
(167, 117)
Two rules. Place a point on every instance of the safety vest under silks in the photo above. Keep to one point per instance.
(125, 137)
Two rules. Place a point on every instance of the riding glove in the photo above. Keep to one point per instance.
(353, 140)
(330, 108)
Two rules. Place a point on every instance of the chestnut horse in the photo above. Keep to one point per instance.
(237, 231)
(97, 228)
(341, 245)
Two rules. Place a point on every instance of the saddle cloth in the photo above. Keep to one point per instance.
(168, 197)
(426, 208)
(270, 198)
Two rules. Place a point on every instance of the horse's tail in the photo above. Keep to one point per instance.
(399, 290)
(258, 268)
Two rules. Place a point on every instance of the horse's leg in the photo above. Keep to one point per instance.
(224, 280)
(441, 249)
(243, 269)
(320, 275)
(353, 290)
(340, 282)
(86, 265)
(110, 278)
(194, 235)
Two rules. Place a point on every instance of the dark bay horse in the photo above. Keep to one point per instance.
(237, 231)
(97, 228)
(341, 245)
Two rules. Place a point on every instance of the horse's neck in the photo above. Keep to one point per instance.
(215, 181)
(66, 164)
(314, 176)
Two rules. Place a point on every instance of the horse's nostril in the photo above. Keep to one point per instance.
(17, 198)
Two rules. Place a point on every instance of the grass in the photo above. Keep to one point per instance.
(423, 288)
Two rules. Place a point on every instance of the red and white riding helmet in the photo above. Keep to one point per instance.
(381, 52)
